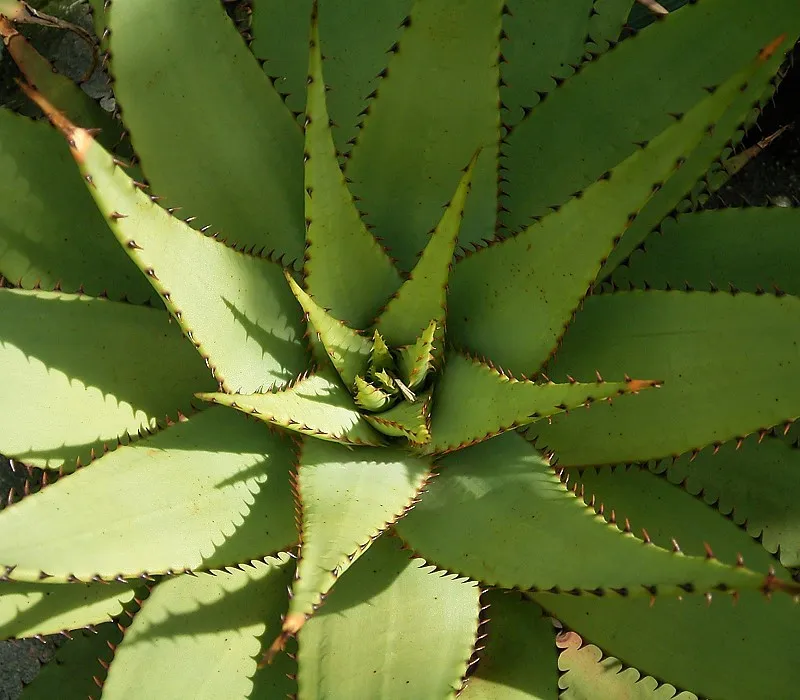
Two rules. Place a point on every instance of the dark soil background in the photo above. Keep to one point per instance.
(770, 179)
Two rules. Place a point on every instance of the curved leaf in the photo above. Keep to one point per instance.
(390, 616)
(416, 361)
(90, 388)
(206, 630)
(407, 419)
(729, 365)
(211, 131)
(205, 493)
(503, 491)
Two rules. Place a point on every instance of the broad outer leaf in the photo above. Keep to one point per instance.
(512, 301)
(708, 649)
(28, 609)
(729, 365)
(377, 636)
(93, 387)
(586, 674)
(336, 237)
(212, 133)
(475, 401)
(208, 492)
(502, 491)
(205, 631)
(347, 499)
(316, 405)
(233, 306)
(519, 658)
(50, 230)
(413, 142)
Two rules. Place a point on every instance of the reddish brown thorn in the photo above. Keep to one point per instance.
(709, 552)
(646, 537)
(675, 546)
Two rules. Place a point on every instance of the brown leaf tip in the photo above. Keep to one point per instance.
(78, 139)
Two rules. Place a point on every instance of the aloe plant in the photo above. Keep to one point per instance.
(418, 241)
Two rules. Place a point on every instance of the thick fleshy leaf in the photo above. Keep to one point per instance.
(513, 300)
(208, 492)
(645, 66)
(746, 248)
(28, 609)
(316, 405)
(445, 64)
(586, 674)
(475, 401)
(235, 307)
(503, 491)
(380, 357)
(729, 365)
(50, 230)
(423, 296)
(92, 388)
(376, 636)
(212, 133)
(519, 658)
(370, 397)
(12, 9)
(348, 350)
(416, 361)
(708, 649)
(206, 631)
(408, 419)
(347, 499)
(755, 484)
(336, 237)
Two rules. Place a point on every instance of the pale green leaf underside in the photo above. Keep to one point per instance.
(207, 632)
(204, 493)
(92, 387)
(347, 499)
(474, 401)
(729, 365)
(423, 296)
(376, 637)
(236, 308)
(317, 405)
(512, 301)
(50, 229)
(347, 349)
(589, 676)
(746, 248)
(519, 661)
(28, 609)
(336, 237)
(212, 133)
(502, 489)
(736, 651)
(445, 66)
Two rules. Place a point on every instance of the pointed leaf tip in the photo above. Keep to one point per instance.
(769, 50)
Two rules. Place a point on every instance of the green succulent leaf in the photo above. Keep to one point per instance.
(746, 248)
(416, 362)
(30, 609)
(90, 388)
(519, 659)
(503, 489)
(696, 645)
(513, 300)
(729, 365)
(348, 648)
(370, 397)
(208, 492)
(561, 129)
(408, 419)
(348, 350)
(380, 357)
(50, 230)
(13, 9)
(235, 153)
(423, 296)
(208, 629)
(475, 401)
(347, 499)
(235, 308)
(412, 126)
(316, 405)
(587, 674)
(336, 237)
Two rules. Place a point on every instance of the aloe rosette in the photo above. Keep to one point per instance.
(326, 312)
